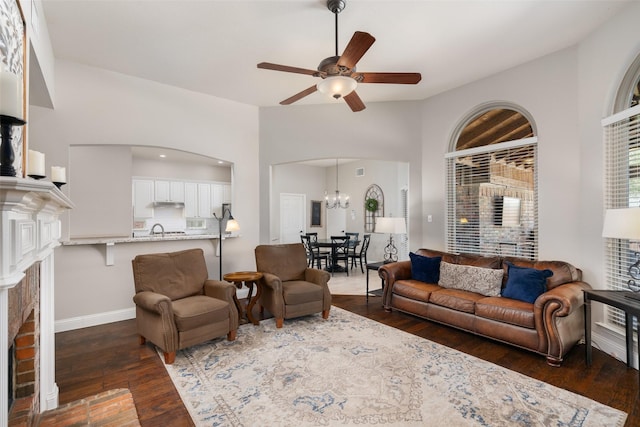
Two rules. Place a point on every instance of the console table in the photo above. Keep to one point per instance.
(631, 308)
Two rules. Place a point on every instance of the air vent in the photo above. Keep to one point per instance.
(360, 172)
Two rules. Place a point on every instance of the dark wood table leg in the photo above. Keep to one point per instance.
(252, 302)
(628, 322)
(587, 330)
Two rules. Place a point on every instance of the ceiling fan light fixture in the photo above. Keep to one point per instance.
(337, 86)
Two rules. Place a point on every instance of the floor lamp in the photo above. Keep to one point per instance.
(625, 224)
(391, 226)
(232, 225)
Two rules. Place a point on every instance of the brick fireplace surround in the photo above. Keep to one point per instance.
(30, 231)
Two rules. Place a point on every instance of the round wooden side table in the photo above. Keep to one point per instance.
(249, 278)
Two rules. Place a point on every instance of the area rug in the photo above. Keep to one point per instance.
(349, 370)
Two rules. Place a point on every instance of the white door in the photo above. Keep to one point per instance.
(292, 217)
(336, 222)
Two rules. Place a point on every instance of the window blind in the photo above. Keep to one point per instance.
(492, 202)
(622, 190)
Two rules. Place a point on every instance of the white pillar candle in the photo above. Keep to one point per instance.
(58, 174)
(35, 163)
(10, 95)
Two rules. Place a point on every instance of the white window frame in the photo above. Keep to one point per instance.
(452, 223)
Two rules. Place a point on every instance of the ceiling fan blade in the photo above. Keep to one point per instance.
(357, 47)
(286, 68)
(298, 96)
(395, 78)
(354, 102)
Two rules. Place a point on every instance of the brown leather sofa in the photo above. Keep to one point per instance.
(550, 326)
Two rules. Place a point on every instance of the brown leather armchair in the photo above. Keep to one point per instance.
(177, 306)
(289, 288)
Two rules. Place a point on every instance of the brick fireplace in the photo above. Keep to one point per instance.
(24, 340)
(30, 230)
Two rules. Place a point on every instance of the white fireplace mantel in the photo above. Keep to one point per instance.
(30, 230)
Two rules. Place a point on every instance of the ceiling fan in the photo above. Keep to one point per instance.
(338, 73)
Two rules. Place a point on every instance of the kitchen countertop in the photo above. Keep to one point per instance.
(113, 240)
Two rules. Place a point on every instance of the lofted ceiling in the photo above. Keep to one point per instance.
(213, 47)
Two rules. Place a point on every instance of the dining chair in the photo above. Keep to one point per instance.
(340, 246)
(361, 255)
(314, 256)
(318, 252)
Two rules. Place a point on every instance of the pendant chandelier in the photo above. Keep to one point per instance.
(339, 200)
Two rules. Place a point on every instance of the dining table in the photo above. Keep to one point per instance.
(334, 267)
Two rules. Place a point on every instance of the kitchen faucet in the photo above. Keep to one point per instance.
(161, 228)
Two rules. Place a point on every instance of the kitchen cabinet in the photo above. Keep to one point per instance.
(204, 201)
(169, 191)
(220, 193)
(143, 198)
(217, 194)
(197, 200)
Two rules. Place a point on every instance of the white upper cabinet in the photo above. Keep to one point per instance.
(169, 191)
(191, 200)
(143, 198)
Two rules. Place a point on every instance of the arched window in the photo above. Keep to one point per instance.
(492, 201)
(622, 180)
(373, 207)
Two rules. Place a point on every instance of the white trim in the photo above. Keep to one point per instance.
(80, 322)
(621, 115)
(609, 340)
(492, 147)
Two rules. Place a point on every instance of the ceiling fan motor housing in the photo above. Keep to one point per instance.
(330, 67)
(336, 6)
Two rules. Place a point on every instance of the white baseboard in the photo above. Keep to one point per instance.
(612, 343)
(110, 316)
(94, 319)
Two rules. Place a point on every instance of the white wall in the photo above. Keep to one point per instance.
(313, 181)
(603, 60)
(383, 131)
(95, 106)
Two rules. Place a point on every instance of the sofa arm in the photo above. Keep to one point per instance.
(221, 290)
(391, 273)
(319, 277)
(224, 291)
(559, 312)
(153, 302)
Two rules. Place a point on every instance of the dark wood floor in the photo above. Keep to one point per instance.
(105, 357)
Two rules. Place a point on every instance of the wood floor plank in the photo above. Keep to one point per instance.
(92, 360)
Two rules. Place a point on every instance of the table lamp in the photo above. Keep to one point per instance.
(624, 223)
(391, 226)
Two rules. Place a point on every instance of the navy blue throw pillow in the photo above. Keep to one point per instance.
(425, 269)
(525, 284)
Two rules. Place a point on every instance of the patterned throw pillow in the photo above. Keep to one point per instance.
(525, 284)
(484, 281)
(425, 269)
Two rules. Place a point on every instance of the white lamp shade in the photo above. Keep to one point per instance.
(232, 225)
(391, 225)
(337, 86)
(622, 224)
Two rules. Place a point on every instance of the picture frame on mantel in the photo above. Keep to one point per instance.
(316, 213)
(12, 59)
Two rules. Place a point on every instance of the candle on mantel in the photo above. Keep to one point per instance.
(10, 95)
(35, 163)
(58, 174)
